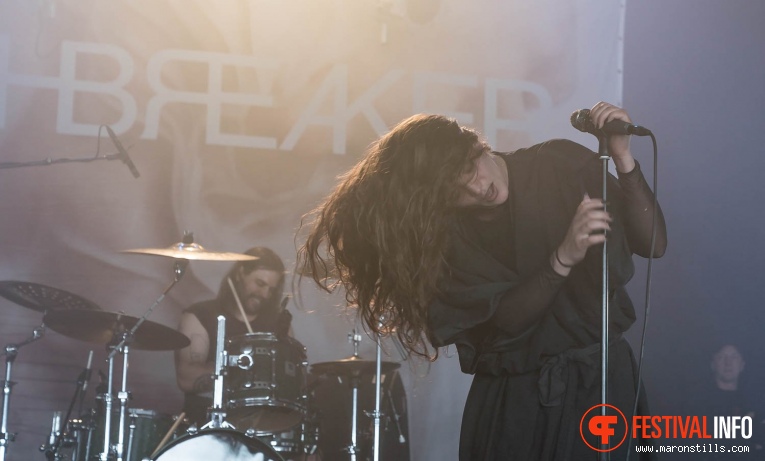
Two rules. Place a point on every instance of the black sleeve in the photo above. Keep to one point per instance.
(521, 307)
(638, 204)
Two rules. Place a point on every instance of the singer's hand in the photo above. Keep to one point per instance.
(586, 230)
(618, 145)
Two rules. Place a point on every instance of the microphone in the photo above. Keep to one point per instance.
(581, 120)
(123, 153)
(86, 375)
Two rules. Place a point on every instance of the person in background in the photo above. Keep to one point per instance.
(723, 394)
(259, 285)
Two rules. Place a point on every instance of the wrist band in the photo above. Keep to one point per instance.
(557, 258)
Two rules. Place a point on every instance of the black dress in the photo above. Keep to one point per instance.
(530, 336)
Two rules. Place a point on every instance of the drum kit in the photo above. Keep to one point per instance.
(267, 404)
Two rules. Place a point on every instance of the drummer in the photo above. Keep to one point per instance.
(259, 285)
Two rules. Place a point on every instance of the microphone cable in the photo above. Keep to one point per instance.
(647, 301)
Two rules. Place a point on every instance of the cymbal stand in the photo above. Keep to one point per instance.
(123, 396)
(376, 414)
(123, 346)
(217, 412)
(352, 449)
(104, 455)
(10, 352)
(108, 397)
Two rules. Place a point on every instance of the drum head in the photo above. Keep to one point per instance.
(217, 444)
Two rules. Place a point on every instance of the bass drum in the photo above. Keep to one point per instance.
(144, 430)
(332, 402)
(217, 444)
(299, 443)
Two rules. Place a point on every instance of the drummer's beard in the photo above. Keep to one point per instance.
(254, 303)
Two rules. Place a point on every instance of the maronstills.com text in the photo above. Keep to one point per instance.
(698, 448)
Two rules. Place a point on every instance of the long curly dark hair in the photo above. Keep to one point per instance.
(383, 232)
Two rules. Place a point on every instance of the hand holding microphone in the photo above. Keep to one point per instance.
(609, 120)
(613, 123)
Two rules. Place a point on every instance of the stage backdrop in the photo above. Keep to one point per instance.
(239, 116)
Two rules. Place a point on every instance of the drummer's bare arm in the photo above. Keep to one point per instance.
(192, 371)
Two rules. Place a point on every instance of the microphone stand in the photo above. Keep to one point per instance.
(10, 352)
(52, 161)
(604, 157)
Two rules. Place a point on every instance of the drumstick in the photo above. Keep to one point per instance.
(239, 304)
(169, 433)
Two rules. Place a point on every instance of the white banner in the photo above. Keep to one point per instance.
(239, 115)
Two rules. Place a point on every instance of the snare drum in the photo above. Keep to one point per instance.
(217, 444)
(266, 382)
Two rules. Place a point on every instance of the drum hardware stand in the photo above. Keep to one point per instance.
(352, 449)
(396, 417)
(57, 431)
(377, 414)
(10, 352)
(123, 396)
(51, 446)
(378, 378)
(217, 412)
(131, 434)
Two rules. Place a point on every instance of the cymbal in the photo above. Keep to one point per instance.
(43, 298)
(352, 366)
(105, 327)
(192, 251)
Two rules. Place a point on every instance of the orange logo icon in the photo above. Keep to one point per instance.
(603, 427)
